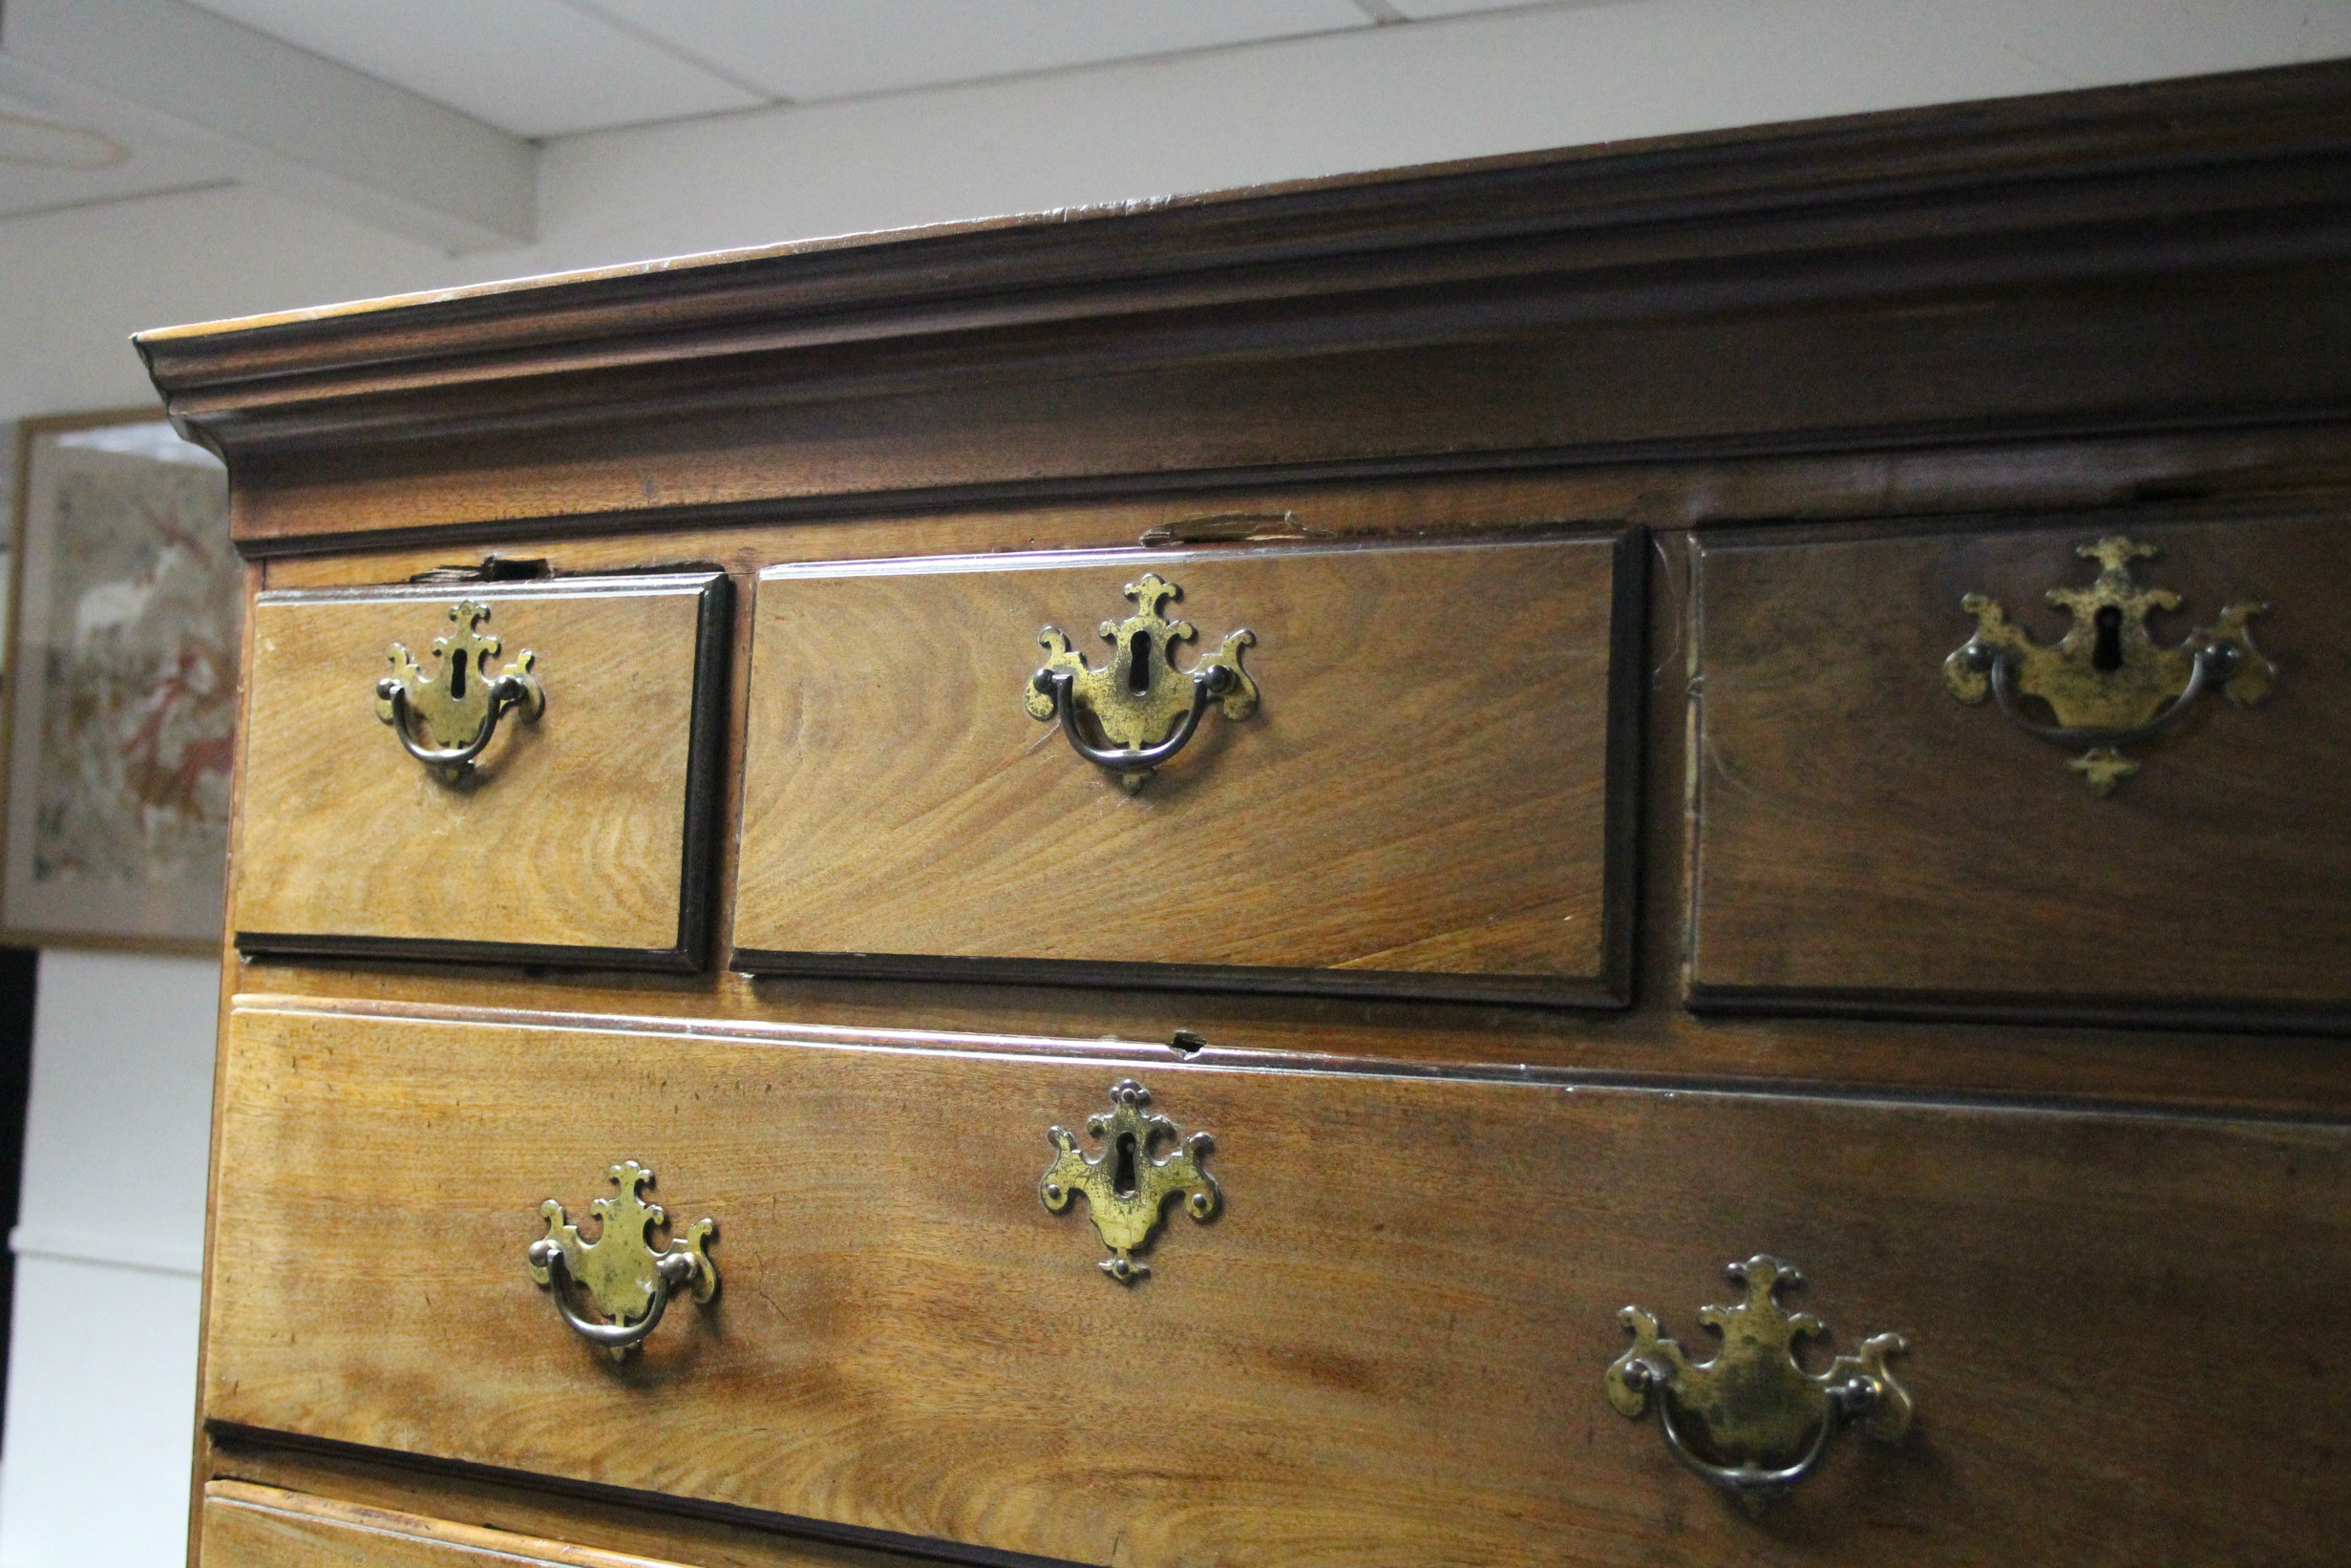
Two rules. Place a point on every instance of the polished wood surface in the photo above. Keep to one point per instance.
(1390, 1342)
(629, 1526)
(242, 1524)
(1866, 840)
(573, 835)
(1659, 1041)
(1420, 804)
(2093, 1161)
(250, 1526)
(1970, 271)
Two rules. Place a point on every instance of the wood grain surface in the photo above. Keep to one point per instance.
(2095, 1165)
(629, 1526)
(1420, 804)
(1387, 1347)
(1658, 1041)
(2140, 258)
(246, 1526)
(570, 835)
(1866, 839)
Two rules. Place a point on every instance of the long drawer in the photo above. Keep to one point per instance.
(1386, 1342)
(243, 1526)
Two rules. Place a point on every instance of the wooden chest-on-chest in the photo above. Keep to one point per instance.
(1165, 889)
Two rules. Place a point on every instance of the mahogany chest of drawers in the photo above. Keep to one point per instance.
(1165, 888)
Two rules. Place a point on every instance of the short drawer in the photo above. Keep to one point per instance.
(1878, 831)
(1417, 782)
(398, 799)
(1386, 1343)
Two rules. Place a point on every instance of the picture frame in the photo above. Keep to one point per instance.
(118, 698)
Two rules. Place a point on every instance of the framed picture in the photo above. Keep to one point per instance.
(120, 687)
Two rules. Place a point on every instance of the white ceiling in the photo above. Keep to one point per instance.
(46, 165)
(423, 118)
(541, 68)
(420, 115)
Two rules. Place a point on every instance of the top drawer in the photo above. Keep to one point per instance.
(1427, 796)
(1875, 834)
(577, 832)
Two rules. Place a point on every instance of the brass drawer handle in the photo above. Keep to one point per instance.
(1125, 1186)
(1752, 1421)
(629, 1279)
(1142, 705)
(2106, 680)
(459, 710)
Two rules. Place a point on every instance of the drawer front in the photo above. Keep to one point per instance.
(245, 1525)
(1428, 795)
(1386, 1344)
(581, 832)
(1868, 841)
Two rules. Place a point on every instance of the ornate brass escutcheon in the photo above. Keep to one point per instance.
(1125, 1187)
(1143, 705)
(1752, 1421)
(2106, 680)
(629, 1280)
(459, 709)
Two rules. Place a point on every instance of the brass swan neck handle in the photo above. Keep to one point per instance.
(2212, 666)
(458, 709)
(630, 1280)
(1144, 708)
(1126, 761)
(505, 692)
(671, 1272)
(2108, 683)
(1752, 1421)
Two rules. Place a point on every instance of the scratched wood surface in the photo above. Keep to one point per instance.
(1423, 791)
(569, 832)
(1864, 837)
(1387, 1347)
(498, 1511)
(2141, 257)
(247, 1526)
(1657, 1039)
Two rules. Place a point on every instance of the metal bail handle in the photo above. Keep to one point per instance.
(630, 1281)
(2110, 684)
(1144, 708)
(1752, 1421)
(459, 708)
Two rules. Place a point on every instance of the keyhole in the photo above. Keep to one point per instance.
(2109, 654)
(1138, 663)
(1122, 1173)
(456, 673)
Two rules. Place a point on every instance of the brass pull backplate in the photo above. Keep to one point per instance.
(629, 1279)
(1144, 708)
(2106, 680)
(1752, 1421)
(457, 710)
(1125, 1186)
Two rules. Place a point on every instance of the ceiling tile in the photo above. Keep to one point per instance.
(47, 163)
(534, 68)
(1424, 11)
(829, 49)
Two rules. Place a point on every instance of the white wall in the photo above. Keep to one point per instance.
(110, 1228)
(101, 1386)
